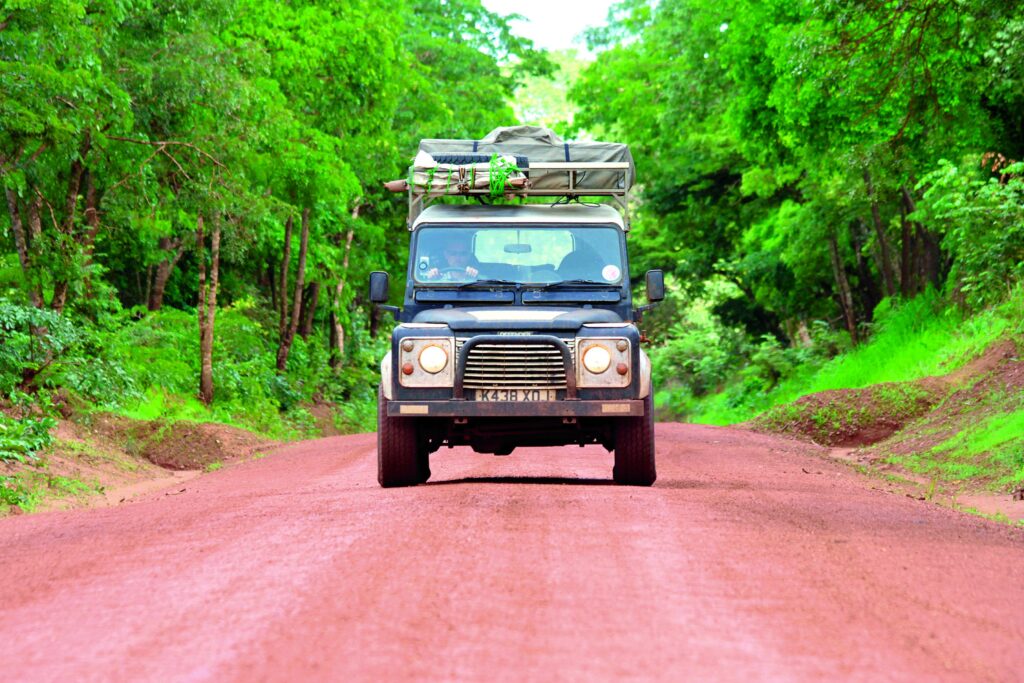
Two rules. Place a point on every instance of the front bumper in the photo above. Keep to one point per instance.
(462, 408)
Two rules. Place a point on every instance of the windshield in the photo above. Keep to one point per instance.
(527, 255)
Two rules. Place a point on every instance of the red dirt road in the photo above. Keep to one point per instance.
(752, 558)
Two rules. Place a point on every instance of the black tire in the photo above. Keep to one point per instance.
(398, 461)
(422, 464)
(634, 449)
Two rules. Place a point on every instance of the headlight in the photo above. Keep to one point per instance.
(433, 359)
(596, 359)
(603, 363)
(426, 362)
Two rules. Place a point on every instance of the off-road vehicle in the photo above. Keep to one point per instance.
(518, 326)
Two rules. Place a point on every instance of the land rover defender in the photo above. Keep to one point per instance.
(518, 326)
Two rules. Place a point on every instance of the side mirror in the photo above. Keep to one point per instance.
(655, 285)
(380, 287)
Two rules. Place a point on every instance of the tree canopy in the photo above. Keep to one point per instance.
(212, 153)
(802, 161)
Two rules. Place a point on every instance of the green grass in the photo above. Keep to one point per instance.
(29, 487)
(919, 338)
(356, 417)
(989, 450)
(995, 517)
(161, 405)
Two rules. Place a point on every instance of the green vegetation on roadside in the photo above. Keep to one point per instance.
(28, 487)
(989, 450)
(981, 442)
(836, 189)
(192, 201)
(918, 338)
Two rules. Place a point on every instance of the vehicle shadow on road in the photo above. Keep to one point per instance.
(553, 481)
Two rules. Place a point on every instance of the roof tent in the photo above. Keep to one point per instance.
(530, 162)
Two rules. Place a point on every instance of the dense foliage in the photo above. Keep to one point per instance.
(805, 161)
(163, 161)
(192, 190)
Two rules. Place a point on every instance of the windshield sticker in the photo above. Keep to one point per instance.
(610, 273)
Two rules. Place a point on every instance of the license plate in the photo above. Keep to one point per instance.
(516, 395)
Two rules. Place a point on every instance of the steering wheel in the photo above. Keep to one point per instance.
(451, 269)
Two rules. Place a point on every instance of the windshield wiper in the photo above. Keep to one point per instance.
(485, 283)
(577, 283)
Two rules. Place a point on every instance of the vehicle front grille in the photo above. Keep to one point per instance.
(514, 365)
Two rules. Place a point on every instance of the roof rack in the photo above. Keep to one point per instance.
(564, 180)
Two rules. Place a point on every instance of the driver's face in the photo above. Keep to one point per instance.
(457, 254)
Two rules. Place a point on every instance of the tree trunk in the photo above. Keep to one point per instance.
(803, 334)
(842, 287)
(75, 174)
(309, 303)
(374, 321)
(211, 304)
(21, 244)
(289, 333)
(908, 283)
(61, 284)
(867, 285)
(929, 252)
(933, 261)
(201, 306)
(337, 329)
(60, 296)
(207, 308)
(163, 271)
(337, 357)
(283, 289)
(888, 277)
(92, 216)
(92, 220)
(156, 291)
(35, 231)
(337, 340)
(272, 277)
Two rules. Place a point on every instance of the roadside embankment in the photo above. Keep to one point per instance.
(106, 459)
(959, 436)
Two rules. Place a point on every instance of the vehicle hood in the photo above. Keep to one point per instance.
(517, 318)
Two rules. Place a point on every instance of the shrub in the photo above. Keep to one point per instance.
(21, 439)
(983, 219)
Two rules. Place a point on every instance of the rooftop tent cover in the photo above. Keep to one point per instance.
(543, 145)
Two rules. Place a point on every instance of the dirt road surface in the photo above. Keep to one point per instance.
(752, 558)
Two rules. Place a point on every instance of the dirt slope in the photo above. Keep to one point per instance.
(905, 429)
(753, 557)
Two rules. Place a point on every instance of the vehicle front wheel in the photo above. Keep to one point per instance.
(398, 458)
(634, 449)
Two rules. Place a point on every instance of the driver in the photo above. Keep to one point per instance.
(456, 262)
